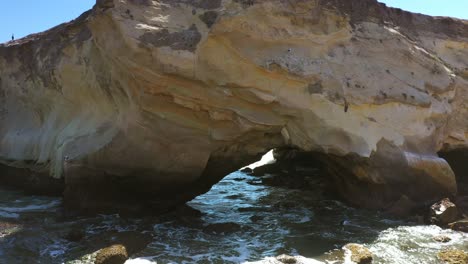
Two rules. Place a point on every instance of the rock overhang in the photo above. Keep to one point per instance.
(183, 92)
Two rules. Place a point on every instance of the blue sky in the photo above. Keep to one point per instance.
(23, 17)
(453, 8)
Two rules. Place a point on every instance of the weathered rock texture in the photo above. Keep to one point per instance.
(149, 103)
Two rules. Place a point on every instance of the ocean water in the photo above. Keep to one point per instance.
(240, 220)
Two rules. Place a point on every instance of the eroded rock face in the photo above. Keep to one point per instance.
(141, 103)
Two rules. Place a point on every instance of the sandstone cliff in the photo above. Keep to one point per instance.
(149, 103)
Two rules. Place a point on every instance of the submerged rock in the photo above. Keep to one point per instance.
(133, 241)
(359, 253)
(266, 169)
(286, 259)
(75, 234)
(222, 228)
(125, 112)
(8, 228)
(462, 204)
(246, 170)
(443, 212)
(116, 254)
(453, 256)
(461, 225)
(442, 239)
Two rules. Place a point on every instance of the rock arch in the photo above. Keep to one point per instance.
(145, 104)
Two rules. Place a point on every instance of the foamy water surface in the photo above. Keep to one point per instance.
(241, 221)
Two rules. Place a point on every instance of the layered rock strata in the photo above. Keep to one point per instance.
(141, 103)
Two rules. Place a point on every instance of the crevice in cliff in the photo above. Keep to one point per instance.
(458, 161)
(292, 168)
(31, 182)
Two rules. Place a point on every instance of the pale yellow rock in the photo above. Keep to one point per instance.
(173, 95)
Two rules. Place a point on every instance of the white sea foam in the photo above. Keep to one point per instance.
(414, 244)
(140, 261)
(8, 214)
(347, 256)
(33, 207)
(272, 260)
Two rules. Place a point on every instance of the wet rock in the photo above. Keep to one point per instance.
(419, 219)
(256, 218)
(250, 209)
(359, 253)
(235, 196)
(7, 228)
(284, 205)
(184, 214)
(187, 211)
(286, 259)
(453, 256)
(443, 212)
(403, 207)
(462, 204)
(461, 225)
(222, 228)
(246, 170)
(255, 182)
(75, 234)
(442, 239)
(266, 169)
(115, 254)
(133, 241)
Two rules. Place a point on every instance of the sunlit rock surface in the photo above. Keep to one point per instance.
(141, 103)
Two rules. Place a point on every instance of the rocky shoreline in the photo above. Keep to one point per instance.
(118, 245)
(295, 169)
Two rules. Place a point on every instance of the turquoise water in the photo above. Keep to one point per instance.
(239, 221)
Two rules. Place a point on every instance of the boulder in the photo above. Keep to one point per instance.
(442, 239)
(461, 225)
(286, 259)
(453, 256)
(359, 253)
(133, 241)
(443, 212)
(115, 254)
